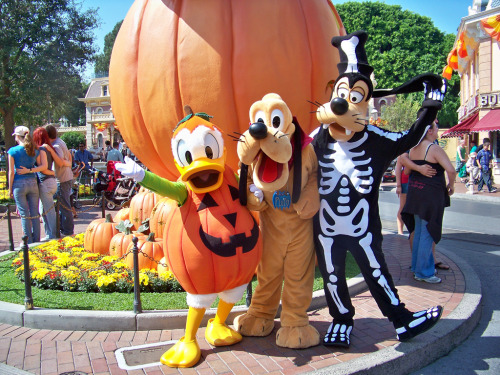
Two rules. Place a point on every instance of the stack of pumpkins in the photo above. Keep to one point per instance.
(113, 236)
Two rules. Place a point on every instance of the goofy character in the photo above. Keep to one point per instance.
(352, 158)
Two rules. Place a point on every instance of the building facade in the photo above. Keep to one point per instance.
(476, 57)
(99, 118)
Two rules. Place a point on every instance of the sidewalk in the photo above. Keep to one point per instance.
(374, 348)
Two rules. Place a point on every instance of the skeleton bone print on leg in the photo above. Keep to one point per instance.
(344, 170)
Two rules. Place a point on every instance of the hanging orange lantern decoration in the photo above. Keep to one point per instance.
(492, 26)
(447, 72)
(461, 47)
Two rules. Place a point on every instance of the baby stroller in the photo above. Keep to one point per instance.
(116, 189)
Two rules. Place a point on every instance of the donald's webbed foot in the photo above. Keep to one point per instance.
(220, 334)
(182, 354)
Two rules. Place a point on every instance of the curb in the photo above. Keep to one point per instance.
(446, 335)
(83, 320)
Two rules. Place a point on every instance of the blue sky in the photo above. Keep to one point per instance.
(446, 14)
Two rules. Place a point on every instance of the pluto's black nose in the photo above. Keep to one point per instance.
(258, 130)
(339, 106)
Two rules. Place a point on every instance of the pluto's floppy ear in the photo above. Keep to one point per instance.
(243, 184)
(297, 161)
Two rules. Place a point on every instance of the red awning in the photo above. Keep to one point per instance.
(462, 128)
(489, 123)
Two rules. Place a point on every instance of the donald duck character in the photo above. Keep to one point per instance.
(211, 242)
(278, 177)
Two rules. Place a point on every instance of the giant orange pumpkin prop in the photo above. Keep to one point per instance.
(221, 55)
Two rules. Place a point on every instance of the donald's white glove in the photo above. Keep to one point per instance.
(257, 192)
(131, 169)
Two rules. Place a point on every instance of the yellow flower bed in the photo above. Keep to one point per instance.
(64, 265)
(4, 191)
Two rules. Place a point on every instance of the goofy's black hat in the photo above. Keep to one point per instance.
(354, 65)
(353, 61)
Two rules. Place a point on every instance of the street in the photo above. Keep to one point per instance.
(471, 229)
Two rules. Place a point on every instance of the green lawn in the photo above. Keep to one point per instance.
(12, 290)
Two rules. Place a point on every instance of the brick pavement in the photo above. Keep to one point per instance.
(47, 352)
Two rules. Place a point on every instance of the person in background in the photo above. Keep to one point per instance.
(84, 156)
(427, 171)
(483, 160)
(115, 154)
(47, 185)
(23, 185)
(461, 156)
(425, 204)
(64, 177)
(480, 147)
(402, 181)
(107, 148)
(473, 147)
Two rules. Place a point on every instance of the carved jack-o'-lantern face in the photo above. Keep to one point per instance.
(239, 240)
(213, 242)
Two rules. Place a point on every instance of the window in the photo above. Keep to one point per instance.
(104, 90)
(98, 110)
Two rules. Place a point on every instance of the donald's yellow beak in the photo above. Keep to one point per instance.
(203, 175)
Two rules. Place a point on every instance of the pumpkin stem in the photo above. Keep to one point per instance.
(187, 110)
(151, 237)
(125, 226)
(108, 218)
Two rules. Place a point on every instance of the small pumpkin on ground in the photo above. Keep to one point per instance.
(120, 241)
(141, 206)
(159, 215)
(150, 252)
(99, 234)
(122, 215)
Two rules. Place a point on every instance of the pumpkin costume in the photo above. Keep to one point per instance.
(211, 243)
(282, 183)
(352, 158)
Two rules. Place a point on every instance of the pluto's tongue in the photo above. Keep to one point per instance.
(269, 170)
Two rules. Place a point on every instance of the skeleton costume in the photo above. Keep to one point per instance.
(349, 177)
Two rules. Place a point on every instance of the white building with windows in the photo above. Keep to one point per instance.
(99, 118)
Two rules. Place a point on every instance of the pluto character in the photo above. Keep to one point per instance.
(352, 158)
(281, 180)
(211, 242)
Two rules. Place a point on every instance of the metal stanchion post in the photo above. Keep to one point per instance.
(58, 220)
(103, 204)
(9, 224)
(248, 299)
(28, 298)
(137, 286)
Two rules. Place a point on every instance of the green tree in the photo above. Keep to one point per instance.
(73, 139)
(44, 46)
(402, 44)
(402, 113)
(102, 60)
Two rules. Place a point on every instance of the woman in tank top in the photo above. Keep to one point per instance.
(426, 199)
